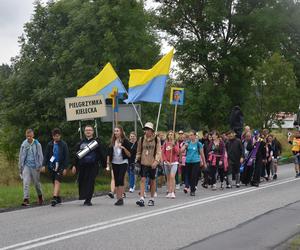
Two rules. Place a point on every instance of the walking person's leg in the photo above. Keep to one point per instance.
(194, 177)
(35, 174)
(120, 180)
(174, 169)
(111, 194)
(26, 185)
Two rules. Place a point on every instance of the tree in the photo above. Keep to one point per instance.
(217, 42)
(273, 90)
(65, 44)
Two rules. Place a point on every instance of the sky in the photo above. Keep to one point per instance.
(13, 15)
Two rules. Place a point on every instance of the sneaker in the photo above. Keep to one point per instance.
(25, 203)
(192, 194)
(237, 185)
(124, 195)
(155, 194)
(54, 202)
(119, 202)
(178, 187)
(173, 196)
(222, 186)
(168, 195)
(204, 185)
(274, 176)
(140, 203)
(111, 195)
(185, 190)
(214, 187)
(131, 190)
(87, 203)
(255, 184)
(151, 203)
(58, 199)
(40, 200)
(228, 186)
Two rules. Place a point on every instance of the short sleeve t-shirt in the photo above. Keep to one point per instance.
(296, 145)
(192, 152)
(56, 152)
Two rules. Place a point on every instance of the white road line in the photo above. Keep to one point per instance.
(132, 218)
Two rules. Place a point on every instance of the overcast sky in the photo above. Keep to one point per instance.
(13, 15)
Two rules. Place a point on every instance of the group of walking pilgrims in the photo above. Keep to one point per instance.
(181, 160)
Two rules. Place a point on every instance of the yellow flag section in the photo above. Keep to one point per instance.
(148, 85)
(103, 83)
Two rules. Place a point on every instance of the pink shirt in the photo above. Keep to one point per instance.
(170, 152)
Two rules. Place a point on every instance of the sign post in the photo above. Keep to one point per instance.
(176, 98)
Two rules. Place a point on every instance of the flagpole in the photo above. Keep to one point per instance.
(158, 118)
(79, 130)
(137, 113)
(175, 117)
(113, 118)
(116, 118)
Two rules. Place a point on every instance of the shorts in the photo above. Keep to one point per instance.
(56, 176)
(170, 168)
(148, 171)
(297, 158)
(119, 171)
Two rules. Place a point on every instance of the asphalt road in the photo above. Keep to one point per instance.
(245, 218)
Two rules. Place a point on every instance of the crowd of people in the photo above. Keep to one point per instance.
(182, 160)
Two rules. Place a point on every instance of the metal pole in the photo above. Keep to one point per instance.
(79, 130)
(135, 125)
(96, 127)
(158, 118)
(137, 113)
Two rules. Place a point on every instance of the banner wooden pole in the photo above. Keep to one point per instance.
(175, 117)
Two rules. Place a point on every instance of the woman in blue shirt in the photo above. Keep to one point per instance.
(194, 159)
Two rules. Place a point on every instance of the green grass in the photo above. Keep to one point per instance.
(12, 195)
(11, 189)
(295, 243)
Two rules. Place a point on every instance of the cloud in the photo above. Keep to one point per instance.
(13, 15)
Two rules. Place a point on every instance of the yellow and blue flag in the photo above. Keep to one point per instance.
(103, 83)
(149, 85)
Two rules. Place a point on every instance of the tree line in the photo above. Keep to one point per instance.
(228, 53)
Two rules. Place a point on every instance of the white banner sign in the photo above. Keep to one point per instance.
(87, 107)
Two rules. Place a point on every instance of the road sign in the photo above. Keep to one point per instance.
(126, 113)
